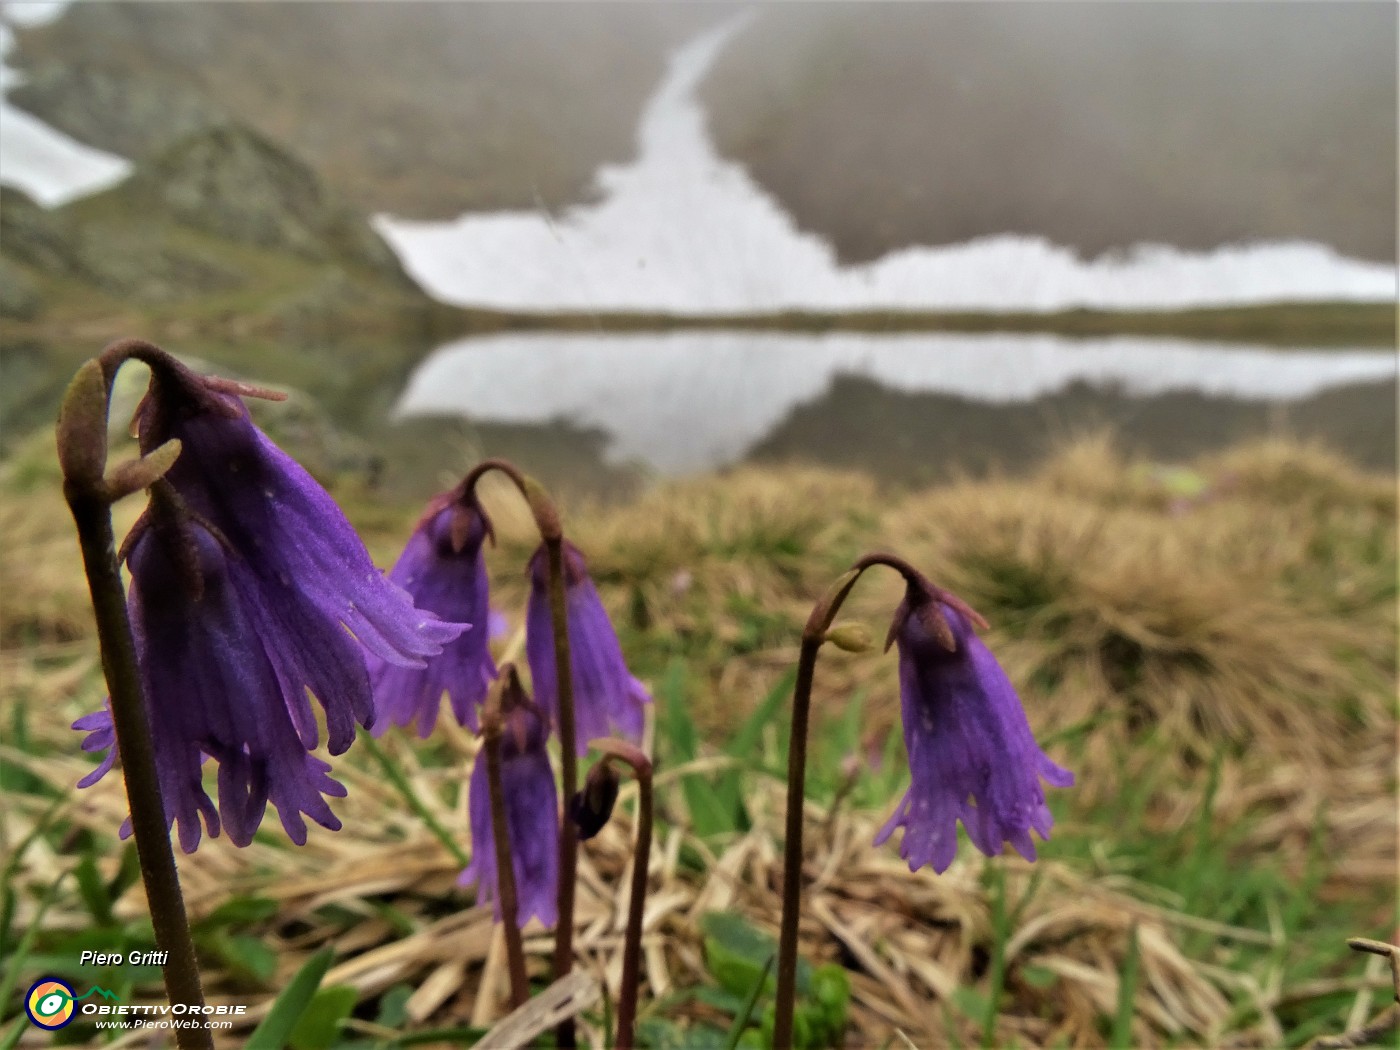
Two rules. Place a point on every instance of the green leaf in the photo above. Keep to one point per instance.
(970, 1002)
(320, 1023)
(93, 890)
(714, 804)
(11, 1038)
(241, 911)
(26, 944)
(737, 955)
(247, 956)
(1127, 995)
(393, 1006)
(741, 1018)
(1040, 977)
(744, 744)
(830, 995)
(276, 1028)
(673, 715)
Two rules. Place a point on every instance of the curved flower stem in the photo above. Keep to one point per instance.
(792, 848)
(632, 946)
(505, 868)
(568, 833)
(93, 517)
(813, 635)
(552, 533)
(642, 769)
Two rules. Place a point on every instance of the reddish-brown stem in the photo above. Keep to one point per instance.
(505, 868)
(568, 834)
(552, 533)
(632, 946)
(813, 635)
(641, 766)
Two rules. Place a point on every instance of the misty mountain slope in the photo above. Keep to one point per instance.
(875, 125)
(417, 108)
(1095, 125)
(221, 220)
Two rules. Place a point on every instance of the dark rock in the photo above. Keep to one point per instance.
(19, 298)
(34, 235)
(109, 110)
(231, 182)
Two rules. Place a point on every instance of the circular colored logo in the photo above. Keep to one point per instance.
(49, 1003)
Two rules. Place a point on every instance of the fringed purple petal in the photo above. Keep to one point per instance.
(971, 753)
(451, 583)
(532, 819)
(607, 699)
(101, 736)
(294, 534)
(215, 686)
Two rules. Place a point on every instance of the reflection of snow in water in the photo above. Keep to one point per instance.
(684, 401)
(682, 229)
(43, 162)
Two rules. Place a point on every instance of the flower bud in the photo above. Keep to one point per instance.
(852, 637)
(82, 427)
(591, 807)
(137, 474)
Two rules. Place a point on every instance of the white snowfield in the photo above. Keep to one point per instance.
(46, 164)
(685, 401)
(681, 229)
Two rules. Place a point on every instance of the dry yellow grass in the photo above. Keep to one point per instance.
(1252, 625)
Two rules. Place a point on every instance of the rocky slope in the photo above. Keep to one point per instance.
(221, 220)
(419, 108)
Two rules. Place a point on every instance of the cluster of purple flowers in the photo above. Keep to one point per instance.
(443, 568)
(249, 590)
(250, 594)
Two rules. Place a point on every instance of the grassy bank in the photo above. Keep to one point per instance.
(1270, 324)
(1288, 325)
(1211, 648)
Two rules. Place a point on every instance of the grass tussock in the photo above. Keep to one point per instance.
(1210, 647)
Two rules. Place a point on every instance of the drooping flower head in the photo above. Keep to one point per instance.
(971, 753)
(608, 701)
(532, 813)
(249, 589)
(443, 569)
(296, 542)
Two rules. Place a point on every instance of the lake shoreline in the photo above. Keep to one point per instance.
(1322, 325)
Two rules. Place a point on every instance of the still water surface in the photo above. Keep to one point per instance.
(681, 402)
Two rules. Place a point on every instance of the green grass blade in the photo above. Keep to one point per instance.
(741, 1019)
(26, 944)
(10, 1040)
(744, 744)
(998, 964)
(1122, 1038)
(276, 1028)
(402, 786)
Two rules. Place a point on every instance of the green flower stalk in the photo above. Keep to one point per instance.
(90, 492)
